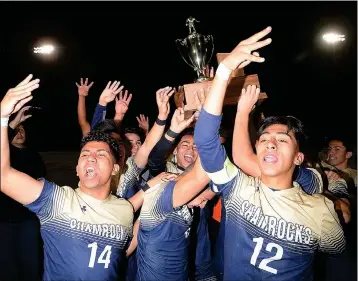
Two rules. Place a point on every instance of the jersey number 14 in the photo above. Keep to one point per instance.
(105, 256)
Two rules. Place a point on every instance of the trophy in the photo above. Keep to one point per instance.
(196, 49)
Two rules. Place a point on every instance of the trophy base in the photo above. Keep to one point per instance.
(232, 95)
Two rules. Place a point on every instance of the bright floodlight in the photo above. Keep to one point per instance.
(332, 38)
(45, 49)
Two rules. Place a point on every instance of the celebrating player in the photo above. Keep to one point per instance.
(272, 227)
(85, 231)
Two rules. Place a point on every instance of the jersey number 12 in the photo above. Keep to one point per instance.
(264, 263)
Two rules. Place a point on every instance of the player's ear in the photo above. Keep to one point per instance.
(349, 155)
(115, 169)
(299, 158)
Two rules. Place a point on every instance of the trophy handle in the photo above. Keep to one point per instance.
(182, 42)
(207, 39)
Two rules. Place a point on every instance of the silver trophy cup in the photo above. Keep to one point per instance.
(196, 49)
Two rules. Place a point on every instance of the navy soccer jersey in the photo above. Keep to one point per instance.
(163, 236)
(84, 238)
(128, 181)
(269, 235)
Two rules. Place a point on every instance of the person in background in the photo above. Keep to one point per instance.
(339, 152)
(21, 255)
(133, 135)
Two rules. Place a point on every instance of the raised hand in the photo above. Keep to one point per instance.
(178, 123)
(83, 88)
(122, 102)
(179, 96)
(248, 99)
(20, 117)
(162, 96)
(15, 98)
(241, 56)
(110, 92)
(143, 123)
(209, 72)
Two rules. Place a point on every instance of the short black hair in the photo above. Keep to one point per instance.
(103, 137)
(132, 130)
(344, 140)
(137, 131)
(291, 122)
(107, 126)
(187, 132)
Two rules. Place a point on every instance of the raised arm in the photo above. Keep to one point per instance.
(190, 185)
(143, 123)
(213, 158)
(242, 152)
(156, 132)
(140, 160)
(238, 58)
(122, 104)
(107, 96)
(157, 157)
(19, 186)
(83, 90)
(137, 199)
(21, 116)
(245, 158)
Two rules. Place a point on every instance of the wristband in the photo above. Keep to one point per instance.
(145, 187)
(160, 122)
(223, 72)
(4, 121)
(172, 134)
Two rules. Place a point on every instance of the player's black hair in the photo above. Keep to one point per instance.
(344, 140)
(291, 122)
(187, 132)
(107, 126)
(134, 130)
(103, 137)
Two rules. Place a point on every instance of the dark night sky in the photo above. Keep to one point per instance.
(135, 43)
